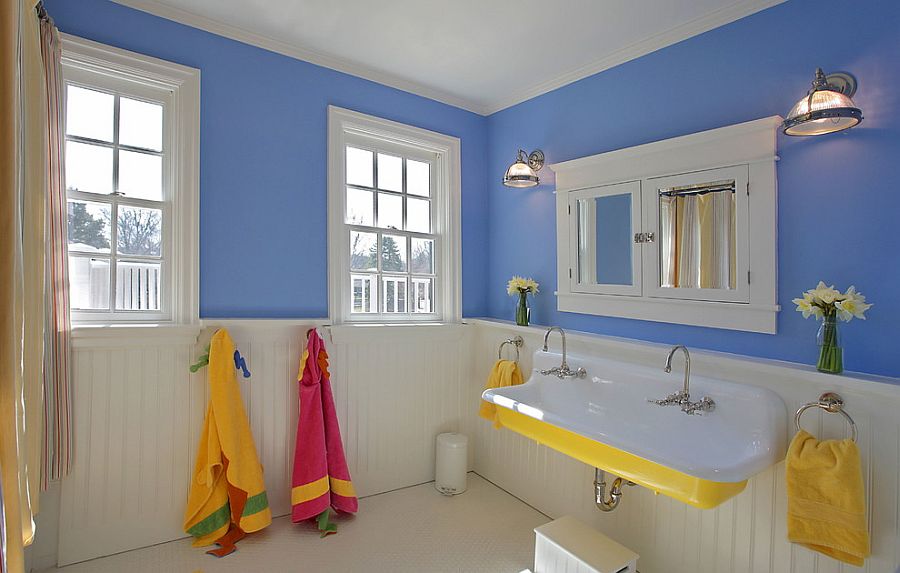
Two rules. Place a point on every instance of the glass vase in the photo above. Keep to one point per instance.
(831, 355)
(523, 313)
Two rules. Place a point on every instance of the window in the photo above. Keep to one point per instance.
(131, 136)
(394, 221)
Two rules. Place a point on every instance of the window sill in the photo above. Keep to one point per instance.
(118, 335)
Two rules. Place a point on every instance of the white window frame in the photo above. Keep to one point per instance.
(346, 127)
(83, 60)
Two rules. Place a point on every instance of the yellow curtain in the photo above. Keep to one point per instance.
(23, 172)
(10, 333)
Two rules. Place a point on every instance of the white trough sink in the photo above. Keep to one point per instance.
(605, 419)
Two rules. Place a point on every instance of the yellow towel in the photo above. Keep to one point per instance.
(505, 373)
(227, 484)
(826, 498)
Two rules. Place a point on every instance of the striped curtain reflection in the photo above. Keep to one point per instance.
(697, 240)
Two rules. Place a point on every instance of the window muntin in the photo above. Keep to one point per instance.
(388, 215)
(119, 198)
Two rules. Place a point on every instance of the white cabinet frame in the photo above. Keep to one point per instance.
(752, 145)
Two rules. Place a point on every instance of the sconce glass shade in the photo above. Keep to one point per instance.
(827, 107)
(521, 173)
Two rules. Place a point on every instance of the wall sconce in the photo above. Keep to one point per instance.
(522, 172)
(826, 108)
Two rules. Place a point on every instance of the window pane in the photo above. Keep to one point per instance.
(140, 175)
(390, 211)
(422, 294)
(363, 251)
(359, 167)
(89, 113)
(89, 283)
(139, 231)
(89, 229)
(362, 293)
(394, 290)
(360, 204)
(393, 254)
(137, 286)
(140, 124)
(422, 256)
(390, 172)
(418, 215)
(418, 178)
(89, 168)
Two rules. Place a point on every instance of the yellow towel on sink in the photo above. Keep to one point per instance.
(504, 373)
(826, 498)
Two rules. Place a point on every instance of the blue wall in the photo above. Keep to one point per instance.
(838, 195)
(263, 175)
(263, 161)
(838, 199)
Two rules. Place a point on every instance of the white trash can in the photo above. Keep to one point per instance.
(451, 463)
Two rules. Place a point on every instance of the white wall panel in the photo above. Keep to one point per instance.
(138, 414)
(745, 534)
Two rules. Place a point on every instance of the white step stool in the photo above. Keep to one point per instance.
(569, 544)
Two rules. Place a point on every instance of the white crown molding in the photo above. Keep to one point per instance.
(713, 20)
(710, 21)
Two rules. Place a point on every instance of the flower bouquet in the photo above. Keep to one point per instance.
(830, 305)
(522, 287)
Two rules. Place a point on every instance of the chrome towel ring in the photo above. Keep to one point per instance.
(517, 342)
(832, 403)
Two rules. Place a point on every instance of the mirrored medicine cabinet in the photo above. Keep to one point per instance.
(681, 230)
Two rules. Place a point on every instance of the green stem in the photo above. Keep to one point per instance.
(831, 357)
(522, 309)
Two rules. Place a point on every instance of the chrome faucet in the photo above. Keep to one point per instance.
(686, 388)
(563, 370)
(683, 398)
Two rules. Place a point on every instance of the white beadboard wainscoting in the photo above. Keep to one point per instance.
(745, 534)
(138, 413)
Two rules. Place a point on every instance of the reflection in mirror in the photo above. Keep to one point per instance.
(697, 236)
(604, 240)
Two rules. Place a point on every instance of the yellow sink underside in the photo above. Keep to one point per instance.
(691, 490)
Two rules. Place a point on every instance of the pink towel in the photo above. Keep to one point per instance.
(321, 478)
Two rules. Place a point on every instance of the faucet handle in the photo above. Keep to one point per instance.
(705, 404)
(674, 399)
(569, 373)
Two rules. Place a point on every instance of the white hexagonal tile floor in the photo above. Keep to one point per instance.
(415, 529)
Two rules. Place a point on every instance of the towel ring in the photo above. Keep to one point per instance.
(832, 403)
(517, 342)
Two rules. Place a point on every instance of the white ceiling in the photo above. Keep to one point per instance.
(482, 55)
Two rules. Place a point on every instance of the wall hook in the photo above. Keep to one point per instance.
(240, 363)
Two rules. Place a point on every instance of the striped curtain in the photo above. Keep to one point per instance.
(56, 458)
